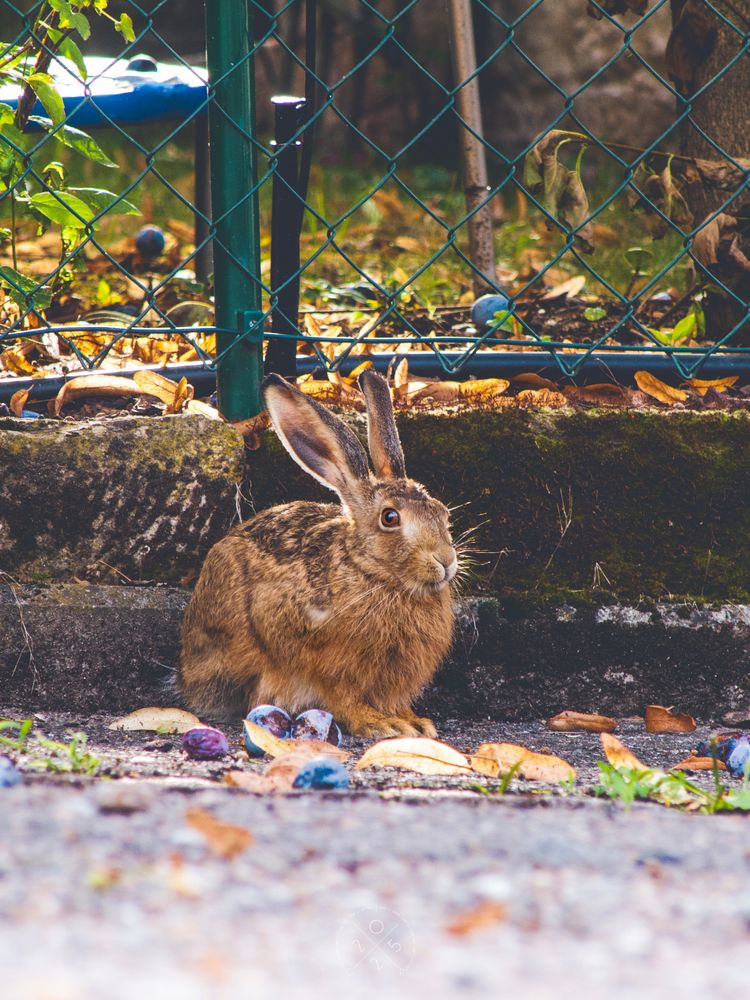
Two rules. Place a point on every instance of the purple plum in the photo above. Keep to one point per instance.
(316, 724)
(205, 743)
(274, 719)
(322, 772)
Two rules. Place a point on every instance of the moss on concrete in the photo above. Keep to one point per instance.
(579, 504)
(147, 496)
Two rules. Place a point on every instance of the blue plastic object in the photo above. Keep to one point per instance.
(486, 307)
(322, 772)
(123, 91)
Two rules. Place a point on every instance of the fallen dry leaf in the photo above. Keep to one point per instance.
(495, 759)
(354, 374)
(534, 381)
(438, 392)
(183, 393)
(418, 754)
(93, 386)
(18, 401)
(663, 720)
(533, 398)
(581, 722)
(401, 381)
(654, 387)
(702, 385)
(698, 764)
(482, 390)
(252, 428)
(567, 289)
(158, 720)
(602, 394)
(223, 839)
(276, 747)
(203, 409)
(154, 384)
(277, 777)
(483, 915)
(618, 754)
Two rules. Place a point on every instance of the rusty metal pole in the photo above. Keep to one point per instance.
(476, 186)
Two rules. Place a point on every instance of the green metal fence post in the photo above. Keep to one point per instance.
(233, 174)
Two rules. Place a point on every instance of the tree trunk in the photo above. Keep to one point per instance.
(700, 48)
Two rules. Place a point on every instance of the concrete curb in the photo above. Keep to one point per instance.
(93, 648)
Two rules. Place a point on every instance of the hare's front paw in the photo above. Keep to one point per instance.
(381, 726)
(425, 727)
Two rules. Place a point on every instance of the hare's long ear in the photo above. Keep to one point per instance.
(382, 435)
(316, 439)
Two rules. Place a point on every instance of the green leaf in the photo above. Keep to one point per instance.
(70, 18)
(44, 87)
(106, 201)
(54, 173)
(685, 328)
(23, 290)
(125, 27)
(62, 207)
(594, 313)
(69, 50)
(77, 140)
(6, 114)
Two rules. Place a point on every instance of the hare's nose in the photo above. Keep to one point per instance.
(449, 562)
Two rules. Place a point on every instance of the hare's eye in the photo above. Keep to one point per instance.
(390, 518)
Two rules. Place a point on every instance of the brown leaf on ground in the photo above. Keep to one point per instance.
(663, 720)
(601, 394)
(533, 399)
(252, 428)
(401, 381)
(702, 385)
(706, 240)
(202, 409)
(154, 384)
(93, 387)
(534, 381)
(225, 840)
(278, 776)
(581, 722)
(495, 759)
(618, 754)
(483, 915)
(418, 754)
(313, 327)
(654, 387)
(157, 720)
(438, 392)
(18, 401)
(566, 289)
(698, 764)
(15, 359)
(183, 393)
(482, 390)
(276, 747)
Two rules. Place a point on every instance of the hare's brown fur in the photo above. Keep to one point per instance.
(312, 605)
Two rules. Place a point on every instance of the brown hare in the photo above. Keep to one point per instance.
(346, 608)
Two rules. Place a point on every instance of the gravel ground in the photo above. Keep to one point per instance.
(401, 887)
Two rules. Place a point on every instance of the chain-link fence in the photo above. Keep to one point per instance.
(584, 162)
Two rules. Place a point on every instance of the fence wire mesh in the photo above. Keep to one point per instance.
(614, 135)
